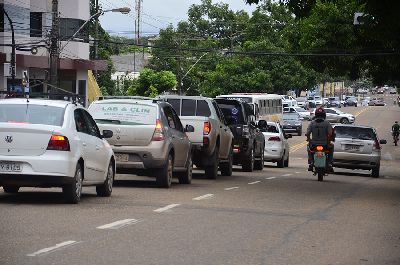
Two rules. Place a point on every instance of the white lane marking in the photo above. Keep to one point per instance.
(207, 196)
(297, 172)
(231, 188)
(271, 178)
(287, 175)
(118, 224)
(166, 208)
(255, 182)
(52, 249)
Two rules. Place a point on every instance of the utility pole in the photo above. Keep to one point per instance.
(13, 67)
(139, 11)
(178, 66)
(54, 46)
(96, 36)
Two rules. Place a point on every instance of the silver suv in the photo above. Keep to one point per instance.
(148, 137)
(357, 147)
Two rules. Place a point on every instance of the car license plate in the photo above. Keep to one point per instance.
(352, 148)
(10, 167)
(122, 157)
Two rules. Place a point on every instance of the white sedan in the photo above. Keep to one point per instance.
(51, 143)
(276, 145)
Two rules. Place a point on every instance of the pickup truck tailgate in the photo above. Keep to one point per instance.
(197, 122)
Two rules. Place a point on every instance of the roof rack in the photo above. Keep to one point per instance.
(124, 97)
(74, 98)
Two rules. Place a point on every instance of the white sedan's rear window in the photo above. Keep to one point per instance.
(124, 113)
(31, 114)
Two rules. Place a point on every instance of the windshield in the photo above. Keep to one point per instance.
(124, 113)
(33, 114)
(290, 116)
(232, 113)
(300, 110)
(355, 133)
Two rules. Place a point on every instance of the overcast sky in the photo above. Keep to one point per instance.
(156, 14)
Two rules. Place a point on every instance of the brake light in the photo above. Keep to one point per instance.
(206, 128)
(274, 138)
(206, 141)
(58, 143)
(158, 134)
(376, 145)
(320, 148)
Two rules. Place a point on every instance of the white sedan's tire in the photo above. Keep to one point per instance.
(105, 189)
(73, 191)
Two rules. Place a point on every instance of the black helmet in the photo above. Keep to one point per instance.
(320, 113)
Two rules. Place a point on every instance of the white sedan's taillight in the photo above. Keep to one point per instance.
(58, 143)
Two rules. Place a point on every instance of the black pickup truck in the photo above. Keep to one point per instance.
(249, 141)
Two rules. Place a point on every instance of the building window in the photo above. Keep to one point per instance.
(68, 27)
(19, 17)
(36, 24)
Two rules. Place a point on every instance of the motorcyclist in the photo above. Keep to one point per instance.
(320, 132)
(395, 131)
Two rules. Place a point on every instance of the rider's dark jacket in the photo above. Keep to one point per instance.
(319, 132)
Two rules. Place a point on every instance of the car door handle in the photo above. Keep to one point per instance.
(84, 144)
(97, 147)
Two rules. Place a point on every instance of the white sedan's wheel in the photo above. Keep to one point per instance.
(73, 191)
(105, 189)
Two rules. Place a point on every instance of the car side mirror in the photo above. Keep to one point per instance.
(189, 128)
(107, 134)
(383, 142)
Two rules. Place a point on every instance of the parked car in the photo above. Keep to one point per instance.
(212, 138)
(314, 101)
(50, 143)
(380, 90)
(333, 102)
(248, 141)
(289, 100)
(291, 123)
(365, 101)
(302, 102)
(149, 138)
(357, 147)
(276, 144)
(304, 114)
(351, 101)
(392, 90)
(334, 115)
(377, 102)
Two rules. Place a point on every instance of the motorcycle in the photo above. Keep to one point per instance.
(320, 155)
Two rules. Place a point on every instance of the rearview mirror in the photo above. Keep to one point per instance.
(107, 134)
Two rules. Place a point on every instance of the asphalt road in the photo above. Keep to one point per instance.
(276, 216)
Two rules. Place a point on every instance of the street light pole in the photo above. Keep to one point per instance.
(13, 67)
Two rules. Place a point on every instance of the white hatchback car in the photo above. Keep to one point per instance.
(276, 145)
(51, 143)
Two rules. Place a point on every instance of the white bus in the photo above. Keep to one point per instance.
(266, 106)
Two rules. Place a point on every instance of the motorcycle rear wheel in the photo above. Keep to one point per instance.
(320, 175)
